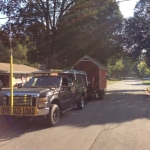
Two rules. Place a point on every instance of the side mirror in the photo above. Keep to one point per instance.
(19, 85)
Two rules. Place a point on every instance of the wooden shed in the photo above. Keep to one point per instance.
(96, 75)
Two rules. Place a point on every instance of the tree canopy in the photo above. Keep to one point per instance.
(90, 28)
(136, 32)
(59, 32)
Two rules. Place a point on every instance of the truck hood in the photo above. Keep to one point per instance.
(29, 91)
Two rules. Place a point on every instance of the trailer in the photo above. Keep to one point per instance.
(96, 76)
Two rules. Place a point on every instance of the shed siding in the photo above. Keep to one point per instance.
(103, 79)
(92, 72)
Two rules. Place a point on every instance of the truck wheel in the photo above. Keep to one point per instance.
(102, 94)
(53, 116)
(81, 103)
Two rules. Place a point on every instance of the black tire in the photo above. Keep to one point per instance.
(101, 94)
(81, 103)
(53, 117)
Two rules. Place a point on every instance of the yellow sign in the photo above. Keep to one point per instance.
(17, 110)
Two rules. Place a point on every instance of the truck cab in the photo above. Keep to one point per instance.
(47, 94)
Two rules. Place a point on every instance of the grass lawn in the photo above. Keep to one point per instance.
(146, 82)
(112, 81)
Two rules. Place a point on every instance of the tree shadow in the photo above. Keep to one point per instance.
(119, 106)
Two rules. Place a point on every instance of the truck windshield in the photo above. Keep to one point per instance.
(45, 81)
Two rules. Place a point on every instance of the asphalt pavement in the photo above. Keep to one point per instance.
(120, 122)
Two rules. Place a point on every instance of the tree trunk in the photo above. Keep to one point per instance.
(52, 50)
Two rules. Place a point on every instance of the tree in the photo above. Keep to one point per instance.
(46, 13)
(4, 53)
(4, 46)
(115, 67)
(87, 30)
(64, 29)
(143, 69)
(136, 35)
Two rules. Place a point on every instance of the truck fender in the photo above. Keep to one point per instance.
(54, 100)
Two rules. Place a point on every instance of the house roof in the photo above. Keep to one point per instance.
(17, 68)
(88, 58)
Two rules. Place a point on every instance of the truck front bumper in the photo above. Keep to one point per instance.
(43, 111)
(23, 111)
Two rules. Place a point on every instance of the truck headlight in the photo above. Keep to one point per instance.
(4, 100)
(42, 102)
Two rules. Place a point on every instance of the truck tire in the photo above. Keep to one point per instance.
(101, 94)
(81, 103)
(53, 117)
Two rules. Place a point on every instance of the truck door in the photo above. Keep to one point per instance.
(80, 86)
(65, 94)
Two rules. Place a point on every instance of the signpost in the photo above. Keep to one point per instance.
(11, 69)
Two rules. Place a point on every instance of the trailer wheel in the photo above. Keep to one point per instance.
(53, 116)
(81, 103)
(101, 94)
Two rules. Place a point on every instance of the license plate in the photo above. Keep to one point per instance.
(17, 110)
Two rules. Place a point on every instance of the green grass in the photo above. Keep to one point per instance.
(112, 81)
(146, 82)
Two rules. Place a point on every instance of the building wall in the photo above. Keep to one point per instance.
(5, 79)
(17, 78)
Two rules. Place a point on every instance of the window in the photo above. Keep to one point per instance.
(81, 81)
(64, 82)
(43, 81)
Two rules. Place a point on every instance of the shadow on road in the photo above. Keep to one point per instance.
(116, 108)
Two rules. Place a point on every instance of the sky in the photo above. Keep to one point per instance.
(126, 7)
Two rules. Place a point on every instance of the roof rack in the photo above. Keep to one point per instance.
(47, 71)
(74, 71)
(59, 71)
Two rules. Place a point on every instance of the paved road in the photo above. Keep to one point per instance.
(120, 122)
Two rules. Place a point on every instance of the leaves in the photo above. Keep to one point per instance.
(60, 32)
(136, 32)
(88, 31)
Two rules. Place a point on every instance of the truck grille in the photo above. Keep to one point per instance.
(23, 101)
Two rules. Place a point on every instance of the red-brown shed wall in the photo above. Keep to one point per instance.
(92, 71)
(103, 79)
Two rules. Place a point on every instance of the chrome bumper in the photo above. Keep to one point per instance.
(43, 111)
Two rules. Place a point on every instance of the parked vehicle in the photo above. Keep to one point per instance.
(146, 78)
(96, 76)
(48, 94)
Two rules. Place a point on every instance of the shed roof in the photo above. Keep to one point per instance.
(88, 58)
(17, 68)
